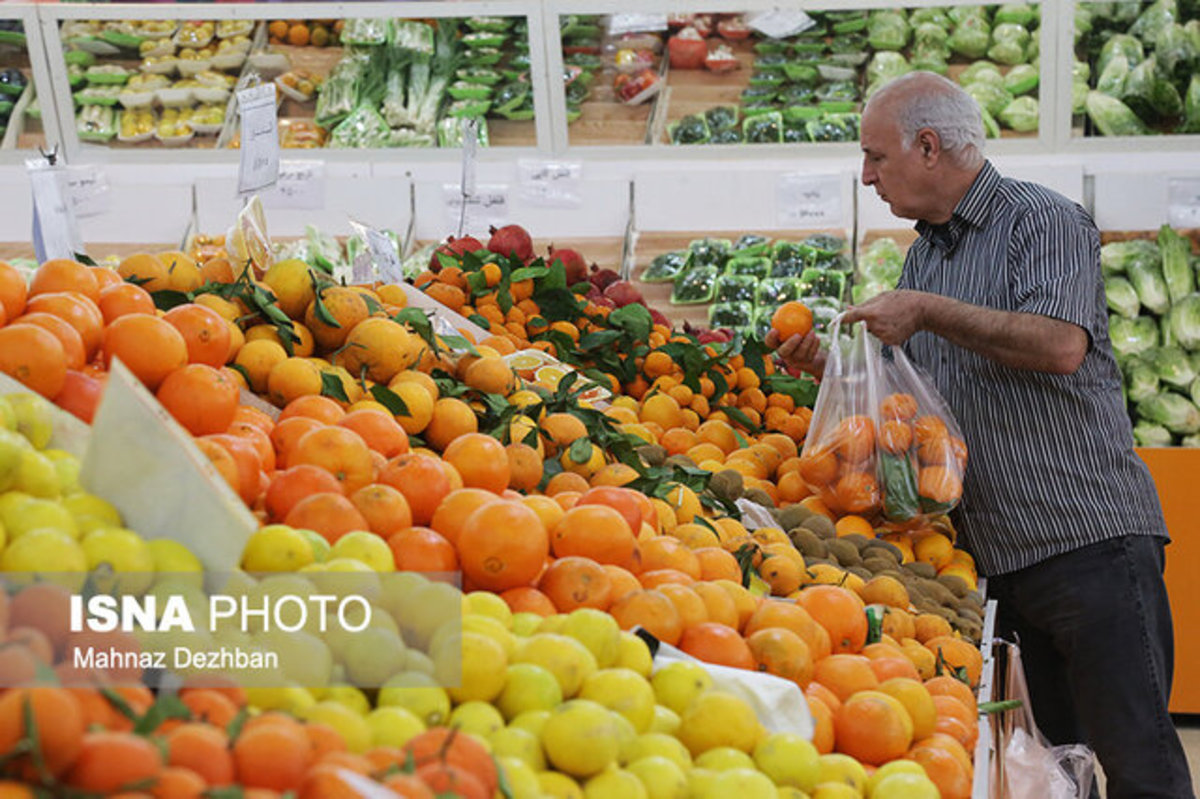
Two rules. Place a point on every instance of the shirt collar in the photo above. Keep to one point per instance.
(973, 209)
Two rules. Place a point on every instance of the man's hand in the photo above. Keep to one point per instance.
(892, 317)
(799, 352)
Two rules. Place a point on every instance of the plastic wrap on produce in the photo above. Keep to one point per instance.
(779, 704)
(755, 516)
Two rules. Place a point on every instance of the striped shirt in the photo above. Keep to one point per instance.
(1052, 466)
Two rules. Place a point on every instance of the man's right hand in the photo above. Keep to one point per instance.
(799, 352)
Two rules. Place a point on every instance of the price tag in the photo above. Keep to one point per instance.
(780, 23)
(260, 138)
(55, 233)
(301, 186)
(88, 191)
(470, 154)
(806, 201)
(1183, 202)
(636, 23)
(550, 184)
(485, 207)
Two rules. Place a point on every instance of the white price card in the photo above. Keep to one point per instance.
(550, 184)
(487, 206)
(55, 233)
(385, 255)
(301, 186)
(88, 191)
(780, 23)
(470, 153)
(636, 23)
(260, 138)
(1183, 202)
(805, 201)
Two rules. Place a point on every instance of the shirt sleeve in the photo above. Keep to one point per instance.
(1055, 262)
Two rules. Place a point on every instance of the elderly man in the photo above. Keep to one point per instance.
(1002, 302)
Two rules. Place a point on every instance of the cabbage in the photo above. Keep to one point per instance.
(1191, 107)
(1007, 52)
(1116, 257)
(1132, 336)
(1122, 299)
(1172, 366)
(884, 67)
(1175, 267)
(959, 14)
(1190, 441)
(1017, 14)
(1021, 115)
(1175, 412)
(1120, 47)
(1021, 79)
(928, 15)
(1080, 71)
(1176, 53)
(970, 38)
(991, 128)
(1146, 434)
(930, 35)
(1153, 20)
(1079, 93)
(1147, 279)
(1184, 321)
(1148, 95)
(1141, 381)
(888, 30)
(994, 98)
(980, 70)
(1112, 117)
(882, 262)
(1112, 79)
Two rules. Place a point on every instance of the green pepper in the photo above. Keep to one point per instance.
(898, 481)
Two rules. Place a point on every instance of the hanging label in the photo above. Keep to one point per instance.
(55, 233)
(550, 184)
(780, 23)
(485, 207)
(385, 255)
(470, 136)
(806, 201)
(301, 186)
(88, 191)
(260, 138)
(1183, 202)
(636, 23)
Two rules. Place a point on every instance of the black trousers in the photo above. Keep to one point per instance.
(1096, 640)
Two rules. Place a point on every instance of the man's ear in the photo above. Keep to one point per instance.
(929, 146)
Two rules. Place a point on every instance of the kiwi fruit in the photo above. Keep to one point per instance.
(845, 552)
(862, 573)
(810, 562)
(921, 569)
(759, 497)
(726, 484)
(807, 542)
(970, 629)
(792, 516)
(969, 615)
(821, 526)
(937, 591)
(922, 603)
(975, 597)
(950, 616)
(877, 565)
(859, 541)
(884, 549)
(652, 454)
(680, 460)
(957, 585)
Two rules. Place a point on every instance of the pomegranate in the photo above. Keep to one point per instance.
(511, 240)
(623, 293)
(657, 317)
(573, 262)
(453, 247)
(603, 278)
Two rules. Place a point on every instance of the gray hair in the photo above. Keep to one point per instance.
(927, 100)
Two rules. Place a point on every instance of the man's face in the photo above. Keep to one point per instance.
(897, 173)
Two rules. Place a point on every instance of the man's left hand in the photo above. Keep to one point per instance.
(891, 317)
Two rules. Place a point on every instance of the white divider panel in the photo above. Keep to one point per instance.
(1137, 200)
(137, 212)
(381, 203)
(733, 199)
(146, 465)
(16, 221)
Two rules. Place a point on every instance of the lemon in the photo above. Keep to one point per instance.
(373, 656)
(724, 758)
(657, 744)
(718, 719)
(318, 543)
(839, 768)
(352, 727)
(623, 691)
(906, 786)
(700, 780)
(788, 759)
(525, 624)
(422, 608)
(665, 720)
(677, 684)
(485, 603)
(19, 516)
(894, 767)
(485, 625)
(393, 726)
(173, 557)
(520, 744)
(419, 694)
(527, 687)
(346, 565)
(289, 698)
(558, 786)
(533, 721)
(522, 780)
(276, 548)
(349, 697)
(11, 500)
(37, 476)
(34, 419)
(552, 624)
(596, 630)
(365, 547)
(744, 783)
(290, 280)
(835, 790)
(67, 467)
(8, 419)
(788, 792)
(484, 669)
(661, 778)
(580, 738)
(303, 658)
(12, 447)
(626, 736)
(633, 654)
(566, 658)
(614, 784)
(478, 718)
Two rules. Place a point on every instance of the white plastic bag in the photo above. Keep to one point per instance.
(1033, 769)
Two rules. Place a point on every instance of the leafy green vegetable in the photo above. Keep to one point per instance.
(971, 37)
(888, 30)
(1175, 267)
(1121, 297)
(1132, 336)
(1147, 434)
(1117, 256)
(1141, 381)
(666, 267)
(1172, 366)
(1009, 43)
(1176, 413)
(1147, 279)
(1112, 117)
(1021, 115)
(994, 98)
(977, 71)
(1021, 79)
(1023, 14)
(695, 286)
(1191, 107)
(1184, 321)
(883, 67)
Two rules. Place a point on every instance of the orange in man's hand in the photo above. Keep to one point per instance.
(792, 319)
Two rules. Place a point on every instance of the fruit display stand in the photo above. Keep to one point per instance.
(23, 129)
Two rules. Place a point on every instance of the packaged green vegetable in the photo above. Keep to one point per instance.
(711, 252)
(365, 31)
(666, 267)
(511, 96)
(728, 136)
(481, 39)
(721, 117)
(737, 315)
(775, 291)
(1191, 107)
(691, 129)
(802, 74)
(816, 282)
(1021, 79)
(490, 24)
(750, 244)
(1023, 14)
(970, 38)
(364, 128)
(984, 71)
(994, 98)
(754, 266)
(488, 77)
(463, 90)
(1009, 44)
(1112, 117)
(695, 286)
(898, 485)
(1120, 47)
(736, 288)
(883, 67)
(1021, 115)
(764, 128)
(468, 108)
(888, 30)
(929, 15)
(1177, 272)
